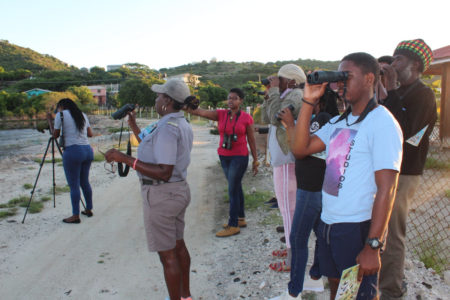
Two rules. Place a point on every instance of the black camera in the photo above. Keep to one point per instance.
(291, 107)
(319, 77)
(123, 111)
(228, 139)
(265, 82)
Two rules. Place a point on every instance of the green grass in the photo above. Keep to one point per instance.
(18, 201)
(200, 122)
(46, 198)
(57, 160)
(447, 193)
(274, 218)
(433, 163)
(431, 257)
(60, 190)
(27, 186)
(256, 199)
(113, 129)
(8, 213)
(35, 207)
(99, 157)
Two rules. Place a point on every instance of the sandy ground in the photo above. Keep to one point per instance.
(105, 257)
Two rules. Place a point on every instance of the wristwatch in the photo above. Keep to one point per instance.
(374, 243)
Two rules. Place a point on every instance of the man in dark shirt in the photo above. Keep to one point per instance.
(414, 106)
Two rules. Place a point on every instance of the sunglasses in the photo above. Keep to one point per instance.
(111, 167)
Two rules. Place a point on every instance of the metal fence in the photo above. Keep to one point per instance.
(427, 233)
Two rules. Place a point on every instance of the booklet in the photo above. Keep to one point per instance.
(349, 284)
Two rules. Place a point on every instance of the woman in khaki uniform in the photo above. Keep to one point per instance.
(162, 160)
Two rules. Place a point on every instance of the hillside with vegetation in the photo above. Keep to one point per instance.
(13, 57)
(232, 74)
(23, 69)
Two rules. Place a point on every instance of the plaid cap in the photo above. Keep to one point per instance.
(417, 48)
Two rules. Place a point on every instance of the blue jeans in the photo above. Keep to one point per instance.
(234, 168)
(77, 162)
(306, 218)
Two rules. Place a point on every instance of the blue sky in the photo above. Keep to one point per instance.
(171, 33)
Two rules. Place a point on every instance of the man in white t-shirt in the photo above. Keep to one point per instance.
(364, 152)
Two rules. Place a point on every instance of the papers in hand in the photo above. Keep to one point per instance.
(349, 284)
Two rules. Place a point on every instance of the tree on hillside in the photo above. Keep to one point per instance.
(137, 91)
(83, 93)
(212, 94)
(251, 89)
(49, 100)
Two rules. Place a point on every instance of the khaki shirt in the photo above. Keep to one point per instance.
(169, 144)
(274, 104)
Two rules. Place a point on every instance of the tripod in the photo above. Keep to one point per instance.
(51, 141)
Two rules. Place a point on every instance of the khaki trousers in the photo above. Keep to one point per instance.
(393, 258)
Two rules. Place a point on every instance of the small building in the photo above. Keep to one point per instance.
(99, 93)
(110, 68)
(190, 79)
(36, 92)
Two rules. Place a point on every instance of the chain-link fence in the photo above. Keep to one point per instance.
(428, 234)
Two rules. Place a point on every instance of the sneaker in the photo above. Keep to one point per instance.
(271, 201)
(275, 205)
(286, 296)
(241, 223)
(228, 231)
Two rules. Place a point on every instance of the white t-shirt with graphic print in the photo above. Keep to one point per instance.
(354, 154)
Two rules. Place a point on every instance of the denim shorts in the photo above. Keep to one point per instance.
(339, 244)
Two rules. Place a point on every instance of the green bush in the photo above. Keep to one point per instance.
(27, 186)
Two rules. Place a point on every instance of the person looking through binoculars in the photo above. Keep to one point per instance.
(77, 156)
(236, 130)
(162, 160)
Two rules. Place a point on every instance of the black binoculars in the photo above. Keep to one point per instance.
(228, 139)
(123, 111)
(319, 77)
(291, 107)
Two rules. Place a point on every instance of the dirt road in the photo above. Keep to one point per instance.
(105, 257)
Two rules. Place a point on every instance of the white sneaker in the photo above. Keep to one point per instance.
(286, 296)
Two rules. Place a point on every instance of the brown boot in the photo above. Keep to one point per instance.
(241, 223)
(228, 231)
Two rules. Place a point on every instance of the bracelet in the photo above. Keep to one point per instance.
(134, 164)
(307, 102)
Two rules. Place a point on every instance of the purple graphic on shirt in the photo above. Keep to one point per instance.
(341, 142)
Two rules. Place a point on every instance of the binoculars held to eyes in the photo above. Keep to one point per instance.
(319, 77)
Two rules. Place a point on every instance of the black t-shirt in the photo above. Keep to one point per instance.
(414, 107)
(311, 170)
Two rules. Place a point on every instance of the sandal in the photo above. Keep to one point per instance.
(280, 267)
(280, 253)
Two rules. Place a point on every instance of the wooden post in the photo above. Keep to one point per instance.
(445, 105)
